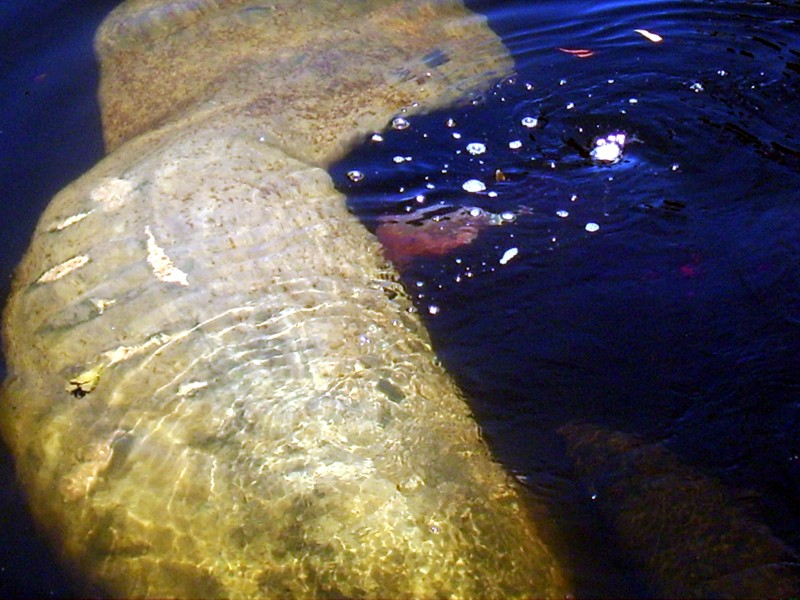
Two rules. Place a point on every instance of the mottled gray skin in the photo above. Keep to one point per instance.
(683, 529)
(217, 388)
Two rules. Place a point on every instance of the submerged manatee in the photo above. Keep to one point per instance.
(216, 386)
(682, 528)
(432, 232)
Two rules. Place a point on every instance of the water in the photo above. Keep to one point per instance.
(49, 135)
(677, 320)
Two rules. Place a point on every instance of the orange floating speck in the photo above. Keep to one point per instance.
(579, 52)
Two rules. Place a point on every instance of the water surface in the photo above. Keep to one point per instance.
(676, 320)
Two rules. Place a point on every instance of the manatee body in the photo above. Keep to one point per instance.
(217, 387)
(683, 529)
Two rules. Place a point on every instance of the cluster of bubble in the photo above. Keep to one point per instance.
(606, 149)
(484, 181)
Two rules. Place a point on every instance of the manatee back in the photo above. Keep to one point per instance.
(217, 387)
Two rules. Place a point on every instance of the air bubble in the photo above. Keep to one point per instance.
(473, 186)
(355, 176)
(609, 149)
(515, 144)
(476, 148)
(530, 122)
(592, 227)
(606, 152)
(562, 213)
(400, 123)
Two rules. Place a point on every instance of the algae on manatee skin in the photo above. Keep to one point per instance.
(257, 410)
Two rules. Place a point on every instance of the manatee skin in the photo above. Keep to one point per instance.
(217, 387)
(682, 528)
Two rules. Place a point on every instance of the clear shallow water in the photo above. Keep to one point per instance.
(677, 320)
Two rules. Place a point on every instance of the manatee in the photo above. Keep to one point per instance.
(683, 529)
(217, 386)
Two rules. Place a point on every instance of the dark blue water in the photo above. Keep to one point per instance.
(678, 320)
(49, 134)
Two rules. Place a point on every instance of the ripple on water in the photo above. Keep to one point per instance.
(656, 291)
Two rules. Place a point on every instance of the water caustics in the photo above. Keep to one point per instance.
(217, 386)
